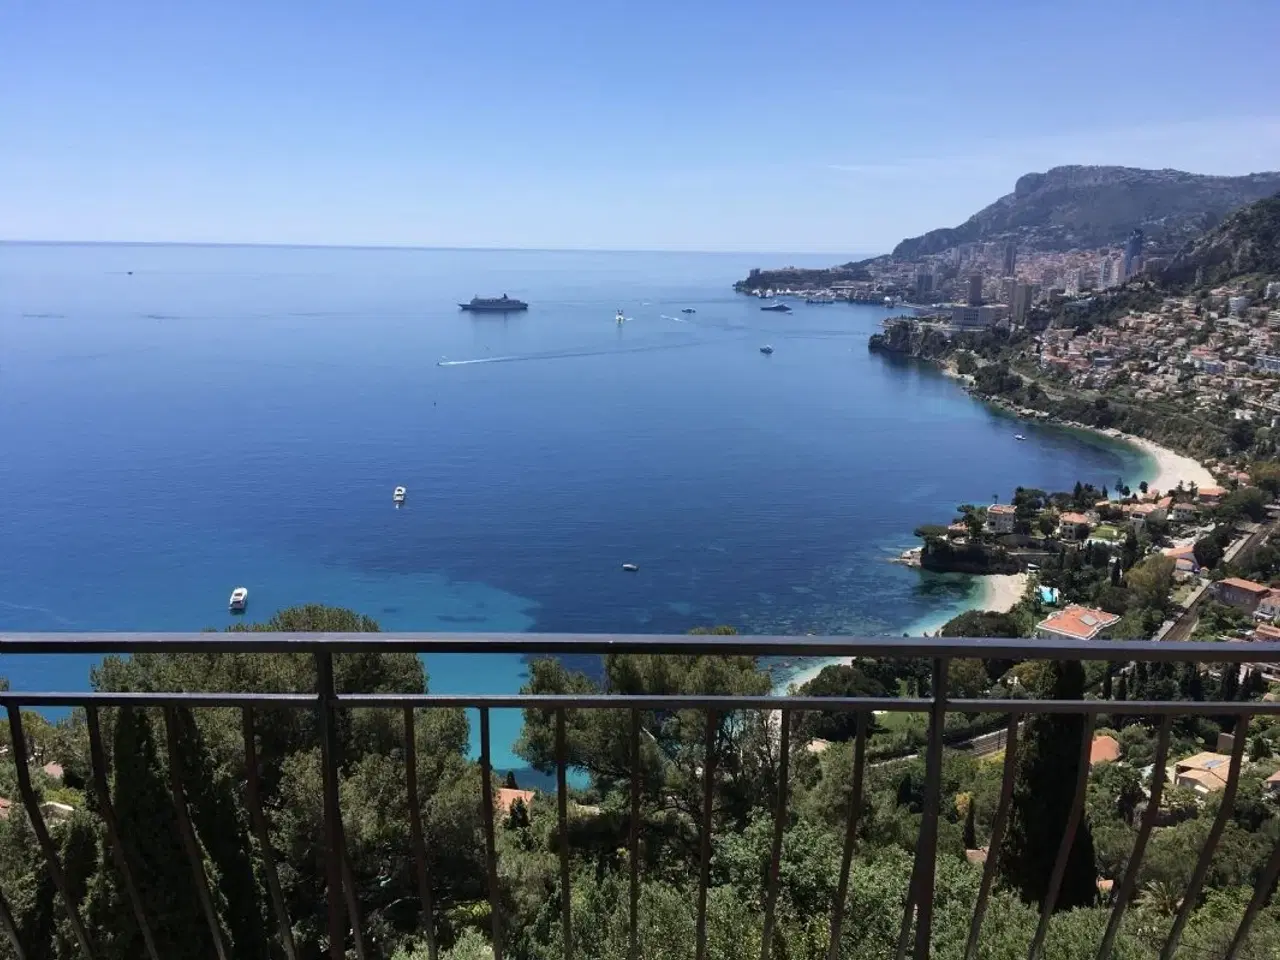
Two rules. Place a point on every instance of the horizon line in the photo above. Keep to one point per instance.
(410, 246)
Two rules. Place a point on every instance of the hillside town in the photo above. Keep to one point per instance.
(1199, 350)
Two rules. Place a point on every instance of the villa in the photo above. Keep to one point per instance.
(1000, 517)
(1074, 526)
(1076, 623)
(1242, 594)
(1205, 773)
(1211, 494)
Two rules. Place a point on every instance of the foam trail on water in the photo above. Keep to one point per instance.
(574, 354)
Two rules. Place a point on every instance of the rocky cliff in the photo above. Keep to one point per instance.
(1082, 207)
(1247, 243)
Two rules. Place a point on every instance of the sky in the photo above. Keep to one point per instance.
(818, 126)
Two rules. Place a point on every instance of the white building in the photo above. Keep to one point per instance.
(968, 317)
(1000, 517)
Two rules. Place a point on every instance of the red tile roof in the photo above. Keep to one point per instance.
(1105, 749)
(1084, 623)
(507, 798)
(1248, 586)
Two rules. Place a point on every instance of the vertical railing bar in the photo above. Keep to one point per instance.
(991, 865)
(708, 799)
(416, 835)
(1068, 836)
(633, 923)
(932, 802)
(1261, 894)
(562, 816)
(98, 765)
(779, 826)
(11, 929)
(850, 837)
(333, 842)
(1211, 843)
(1149, 816)
(189, 842)
(253, 796)
(21, 761)
(490, 850)
(351, 896)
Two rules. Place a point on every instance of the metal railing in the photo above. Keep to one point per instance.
(343, 909)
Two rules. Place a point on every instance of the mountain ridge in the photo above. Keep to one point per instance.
(1078, 207)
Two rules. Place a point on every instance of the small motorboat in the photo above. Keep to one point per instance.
(239, 600)
(1018, 436)
(766, 349)
(630, 567)
(398, 494)
(777, 308)
(688, 310)
(620, 318)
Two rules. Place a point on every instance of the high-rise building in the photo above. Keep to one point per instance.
(1106, 273)
(924, 281)
(1048, 277)
(975, 289)
(1023, 296)
(1132, 254)
(1010, 258)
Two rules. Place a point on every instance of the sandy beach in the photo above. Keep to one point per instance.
(1002, 591)
(1170, 468)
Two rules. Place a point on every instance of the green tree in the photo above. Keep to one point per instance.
(1208, 552)
(161, 871)
(1150, 582)
(838, 680)
(1043, 792)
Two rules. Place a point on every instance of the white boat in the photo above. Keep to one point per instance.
(239, 600)
(630, 567)
(398, 494)
(620, 318)
(1018, 436)
(766, 349)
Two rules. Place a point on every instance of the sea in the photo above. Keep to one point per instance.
(176, 421)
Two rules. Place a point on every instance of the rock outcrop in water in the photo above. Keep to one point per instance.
(910, 339)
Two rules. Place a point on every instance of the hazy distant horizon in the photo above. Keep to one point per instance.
(838, 256)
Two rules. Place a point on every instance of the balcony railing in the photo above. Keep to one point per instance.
(344, 910)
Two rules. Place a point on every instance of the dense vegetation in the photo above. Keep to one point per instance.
(1247, 243)
(675, 753)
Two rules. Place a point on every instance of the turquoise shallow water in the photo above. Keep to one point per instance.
(226, 416)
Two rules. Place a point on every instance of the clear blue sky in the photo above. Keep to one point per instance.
(825, 126)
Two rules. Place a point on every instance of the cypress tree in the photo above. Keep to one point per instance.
(1106, 682)
(1122, 688)
(1043, 792)
(159, 864)
(219, 819)
(1230, 681)
(1195, 685)
(970, 827)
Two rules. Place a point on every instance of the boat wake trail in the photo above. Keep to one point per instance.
(574, 354)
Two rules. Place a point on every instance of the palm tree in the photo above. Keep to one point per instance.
(1159, 897)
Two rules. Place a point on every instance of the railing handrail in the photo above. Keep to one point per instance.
(551, 644)
(342, 907)
(612, 701)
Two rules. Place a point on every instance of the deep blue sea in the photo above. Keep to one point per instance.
(179, 420)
